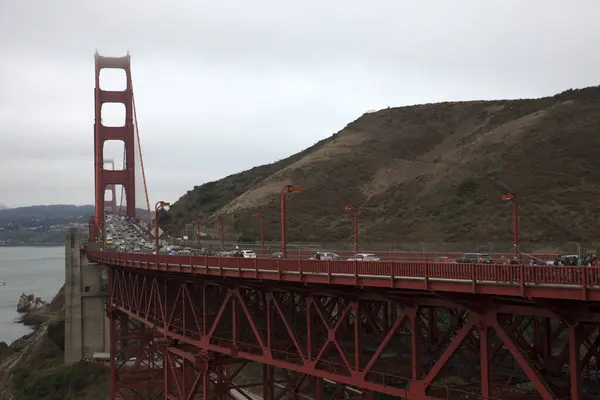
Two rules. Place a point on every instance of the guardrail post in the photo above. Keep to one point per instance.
(391, 274)
(473, 277)
(300, 269)
(522, 280)
(279, 268)
(426, 275)
(583, 284)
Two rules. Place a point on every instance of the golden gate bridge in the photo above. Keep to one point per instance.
(199, 327)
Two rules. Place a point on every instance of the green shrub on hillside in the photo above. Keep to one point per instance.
(55, 384)
(56, 333)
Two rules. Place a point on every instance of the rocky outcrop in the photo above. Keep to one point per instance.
(28, 302)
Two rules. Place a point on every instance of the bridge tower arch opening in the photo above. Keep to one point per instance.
(114, 200)
(110, 200)
(107, 179)
(110, 194)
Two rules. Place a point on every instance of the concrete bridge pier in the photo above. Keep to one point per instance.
(86, 292)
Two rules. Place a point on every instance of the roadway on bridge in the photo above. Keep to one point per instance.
(539, 281)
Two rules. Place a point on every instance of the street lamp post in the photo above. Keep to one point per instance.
(513, 197)
(286, 189)
(181, 235)
(92, 230)
(157, 207)
(262, 230)
(103, 230)
(197, 233)
(198, 239)
(354, 209)
(222, 225)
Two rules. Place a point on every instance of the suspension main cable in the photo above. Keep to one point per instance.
(137, 131)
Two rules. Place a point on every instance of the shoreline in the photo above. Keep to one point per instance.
(17, 330)
(33, 319)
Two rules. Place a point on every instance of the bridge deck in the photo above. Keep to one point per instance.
(533, 281)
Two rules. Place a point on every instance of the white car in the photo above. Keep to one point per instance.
(248, 254)
(324, 256)
(364, 257)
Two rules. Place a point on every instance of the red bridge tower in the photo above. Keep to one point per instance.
(109, 178)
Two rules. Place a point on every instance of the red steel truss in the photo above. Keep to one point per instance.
(137, 365)
(409, 344)
(190, 375)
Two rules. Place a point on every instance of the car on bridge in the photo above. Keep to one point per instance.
(443, 259)
(475, 258)
(248, 254)
(241, 253)
(364, 257)
(566, 259)
(325, 255)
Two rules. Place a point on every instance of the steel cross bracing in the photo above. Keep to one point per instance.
(400, 343)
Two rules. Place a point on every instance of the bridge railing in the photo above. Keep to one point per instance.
(308, 251)
(512, 274)
(403, 250)
(402, 246)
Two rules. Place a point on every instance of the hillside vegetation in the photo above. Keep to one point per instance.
(428, 173)
(33, 366)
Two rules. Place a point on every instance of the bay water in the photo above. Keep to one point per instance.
(37, 270)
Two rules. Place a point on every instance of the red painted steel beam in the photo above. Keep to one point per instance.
(358, 341)
(525, 281)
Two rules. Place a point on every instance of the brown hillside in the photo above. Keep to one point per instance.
(429, 173)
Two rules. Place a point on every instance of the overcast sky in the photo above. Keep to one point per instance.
(222, 86)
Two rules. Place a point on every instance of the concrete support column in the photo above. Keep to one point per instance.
(86, 325)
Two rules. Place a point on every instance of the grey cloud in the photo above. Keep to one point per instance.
(223, 86)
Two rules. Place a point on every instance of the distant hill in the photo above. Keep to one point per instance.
(429, 173)
(50, 211)
(55, 211)
(36, 225)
